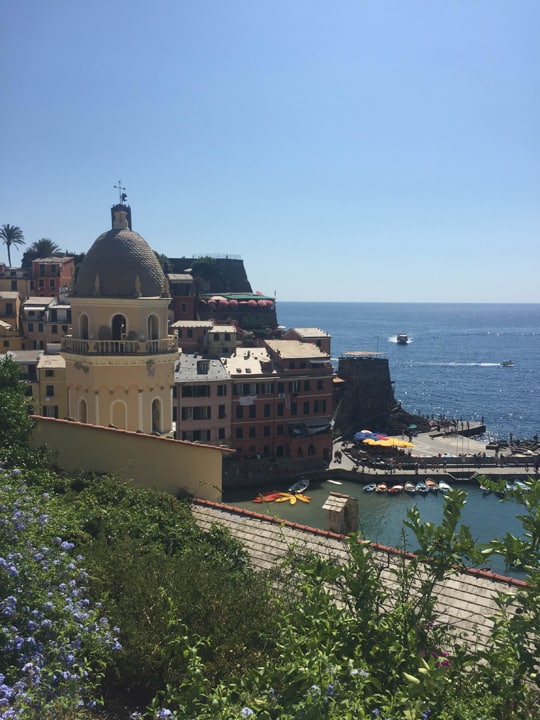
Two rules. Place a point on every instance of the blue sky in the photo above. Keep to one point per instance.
(359, 150)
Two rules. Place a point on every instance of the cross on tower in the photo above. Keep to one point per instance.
(121, 193)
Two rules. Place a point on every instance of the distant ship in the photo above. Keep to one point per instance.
(402, 338)
(507, 363)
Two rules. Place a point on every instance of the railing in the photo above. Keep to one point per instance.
(119, 347)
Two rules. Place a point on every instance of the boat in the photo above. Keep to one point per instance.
(409, 487)
(395, 489)
(370, 488)
(299, 486)
(507, 363)
(432, 485)
(267, 497)
(421, 488)
(381, 487)
(402, 338)
(444, 487)
(520, 485)
(334, 482)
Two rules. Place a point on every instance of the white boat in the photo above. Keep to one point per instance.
(410, 487)
(507, 363)
(444, 487)
(402, 338)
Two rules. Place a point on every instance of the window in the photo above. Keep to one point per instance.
(307, 385)
(316, 406)
(190, 332)
(266, 431)
(54, 329)
(239, 412)
(40, 327)
(252, 432)
(291, 365)
(54, 269)
(42, 270)
(281, 387)
(294, 408)
(13, 284)
(280, 430)
(9, 308)
(227, 337)
(319, 384)
(183, 308)
(49, 373)
(221, 412)
(306, 408)
(252, 411)
(41, 284)
(202, 367)
(280, 409)
(196, 413)
(49, 391)
(52, 284)
(267, 410)
(64, 328)
(221, 434)
(294, 386)
(239, 433)
(196, 391)
(30, 327)
(222, 390)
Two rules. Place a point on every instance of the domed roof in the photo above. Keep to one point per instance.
(120, 264)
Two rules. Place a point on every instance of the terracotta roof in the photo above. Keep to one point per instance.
(465, 599)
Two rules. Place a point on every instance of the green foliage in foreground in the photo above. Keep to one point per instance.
(112, 593)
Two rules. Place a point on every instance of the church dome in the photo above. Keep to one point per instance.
(120, 264)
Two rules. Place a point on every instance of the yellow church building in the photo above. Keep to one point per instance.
(120, 357)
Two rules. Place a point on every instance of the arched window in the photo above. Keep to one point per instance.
(119, 414)
(83, 411)
(156, 415)
(153, 327)
(83, 326)
(119, 326)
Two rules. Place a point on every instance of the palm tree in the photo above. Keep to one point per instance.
(40, 249)
(11, 235)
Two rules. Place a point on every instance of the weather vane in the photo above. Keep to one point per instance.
(121, 193)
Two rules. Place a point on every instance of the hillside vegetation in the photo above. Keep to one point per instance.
(114, 604)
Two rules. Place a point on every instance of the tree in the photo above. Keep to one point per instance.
(40, 249)
(15, 423)
(11, 235)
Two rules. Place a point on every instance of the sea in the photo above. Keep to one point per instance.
(452, 364)
(451, 367)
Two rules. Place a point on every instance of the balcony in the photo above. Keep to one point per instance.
(119, 347)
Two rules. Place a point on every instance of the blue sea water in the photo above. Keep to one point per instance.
(452, 365)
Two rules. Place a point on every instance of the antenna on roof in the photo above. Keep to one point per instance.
(121, 192)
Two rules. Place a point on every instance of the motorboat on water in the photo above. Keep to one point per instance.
(381, 487)
(402, 338)
(395, 489)
(507, 363)
(444, 487)
(421, 488)
(432, 485)
(370, 488)
(409, 487)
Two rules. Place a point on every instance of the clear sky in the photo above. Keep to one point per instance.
(353, 150)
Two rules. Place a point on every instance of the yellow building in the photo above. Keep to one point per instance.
(120, 357)
(49, 396)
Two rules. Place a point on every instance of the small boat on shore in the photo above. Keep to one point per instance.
(381, 487)
(422, 488)
(444, 487)
(410, 487)
(395, 489)
(370, 488)
(432, 485)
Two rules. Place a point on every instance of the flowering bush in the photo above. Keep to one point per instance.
(53, 641)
